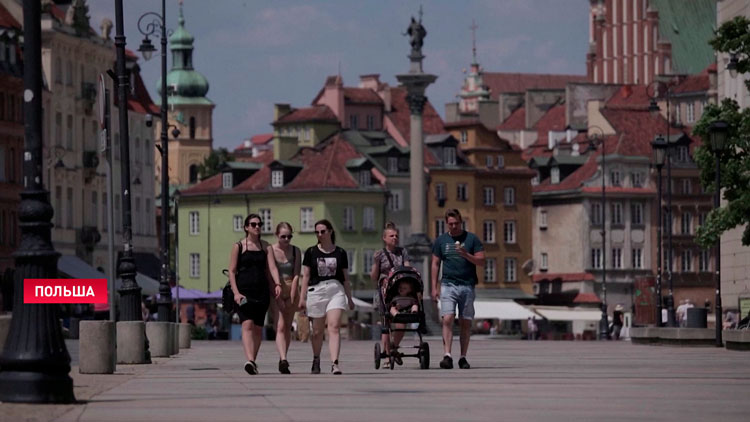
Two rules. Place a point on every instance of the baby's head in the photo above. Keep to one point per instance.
(404, 288)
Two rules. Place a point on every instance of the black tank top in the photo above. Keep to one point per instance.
(251, 275)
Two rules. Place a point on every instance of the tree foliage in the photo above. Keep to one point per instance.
(213, 162)
(732, 37)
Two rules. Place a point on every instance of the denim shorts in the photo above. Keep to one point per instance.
(462, 296)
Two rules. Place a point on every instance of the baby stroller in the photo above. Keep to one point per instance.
(386, 294)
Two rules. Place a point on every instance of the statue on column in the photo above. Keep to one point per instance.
(416, 33)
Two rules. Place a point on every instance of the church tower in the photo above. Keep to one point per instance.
(189, 111)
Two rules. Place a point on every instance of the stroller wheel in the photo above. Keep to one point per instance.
(377, 355)
(424, 356)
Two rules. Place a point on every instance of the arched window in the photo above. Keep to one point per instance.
(193, 173)
(192, 127)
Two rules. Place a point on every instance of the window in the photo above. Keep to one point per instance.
(636, 213)
(195, 265)
(543, 219)
(367, 260)
(193, 173)
(636, 179)
(353, 121)
(69, 133)
(306, 219)
(368, 218)
(370, 122)
(69, 73)
(596, 213)
(226, 180)
(488, 231)
(686, 223)
(69, 209)
(690, 113)
(364, 178)
(677, 112)
(488, 161)
(137, 221)
(489, 195)
(637, 258)
(439, 227)
(616, 213)
(265, 217)
(58, 70)
(490, 268)
(554, 175)
(350, 258)
(58, 130)
(687, 261)
(596, 258)
(149, 222)
(440, 190)
(462, 192)
(500, 161)
(667, 262)
(703, 261)
(509, 232)
(277, 178)
(395, 200)
(544, 262)
(510, 269)
(348, 218)
(509, 196)
(535, 180)
(392, 164)
(449, 156)
(616, 258)
(701, 218)
(194, 219)
(686, 187)
(614, 178)
(464, 137)
(237, 223)
(683, 155)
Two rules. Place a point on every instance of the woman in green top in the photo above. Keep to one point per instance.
(288, 261)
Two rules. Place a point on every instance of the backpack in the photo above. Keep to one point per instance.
(227, 295)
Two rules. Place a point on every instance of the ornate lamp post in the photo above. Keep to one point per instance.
(654, 91)
(35, 362)
(659, 146)
(158, 28)
(596, 140)
(718, 132)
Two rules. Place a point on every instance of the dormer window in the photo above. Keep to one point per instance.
(226, 180)
(555, 175)
(277, 178)
(464, 137)
(449, 156)
(365, 178)
(392, 164)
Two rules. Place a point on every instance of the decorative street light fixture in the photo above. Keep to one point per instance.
(596, 139)
(732, 65)
(719, 130)
(158, 27)
(659, 145)
(34, 365)
(654, 91)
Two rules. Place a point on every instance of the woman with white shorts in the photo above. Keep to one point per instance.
(325, 292)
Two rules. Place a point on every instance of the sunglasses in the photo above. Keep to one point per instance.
(321, 232)
(253, 224)
(286, 237)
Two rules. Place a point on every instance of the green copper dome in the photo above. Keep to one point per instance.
(189, 85)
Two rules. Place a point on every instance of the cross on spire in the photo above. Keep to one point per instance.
(420, 13)
(473, 28)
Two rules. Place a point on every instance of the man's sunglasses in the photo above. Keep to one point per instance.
(286, 237)
(253, 224)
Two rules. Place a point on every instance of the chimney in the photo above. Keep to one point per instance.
(371, 81)
(281, 110)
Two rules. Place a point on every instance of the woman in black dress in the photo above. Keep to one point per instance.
(253, 276)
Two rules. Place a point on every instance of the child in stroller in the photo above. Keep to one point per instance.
(406, 301)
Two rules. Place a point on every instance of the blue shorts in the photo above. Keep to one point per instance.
(452, 295)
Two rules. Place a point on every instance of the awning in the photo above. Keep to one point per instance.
(562, 313)
(501, 309)
(74, 267)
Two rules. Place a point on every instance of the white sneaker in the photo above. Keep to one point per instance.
(335, 370)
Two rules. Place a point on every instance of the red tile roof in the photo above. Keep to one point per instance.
(261, 139)
(564, 277)
(210, 185)
(516, 120)
(574, 180)
(586, 298)
(361, 96)
(309, 114)
(7, 20)
(630, 97)
(693, 83)
(500, 83)
(141, 102)
(636, 129)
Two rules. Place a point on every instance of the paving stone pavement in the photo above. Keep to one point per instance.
(509, 381)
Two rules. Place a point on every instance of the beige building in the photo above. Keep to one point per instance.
(735, 258)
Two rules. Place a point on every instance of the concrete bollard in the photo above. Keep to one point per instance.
(131, 342)
(185, 332)
(176, 337)
(97, 347)
(173, 345)
(158, 338)
(4, 329)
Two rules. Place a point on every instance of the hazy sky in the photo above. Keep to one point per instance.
(257, 53)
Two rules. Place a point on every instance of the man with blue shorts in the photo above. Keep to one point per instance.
(460, 252)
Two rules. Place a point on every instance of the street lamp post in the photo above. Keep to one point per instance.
(659, 145)
(718, 132)
(34, 365)
(158, 27)
(596, 140)
(654, 93)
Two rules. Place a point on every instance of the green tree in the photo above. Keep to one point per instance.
(732, 37)
(213, 162)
